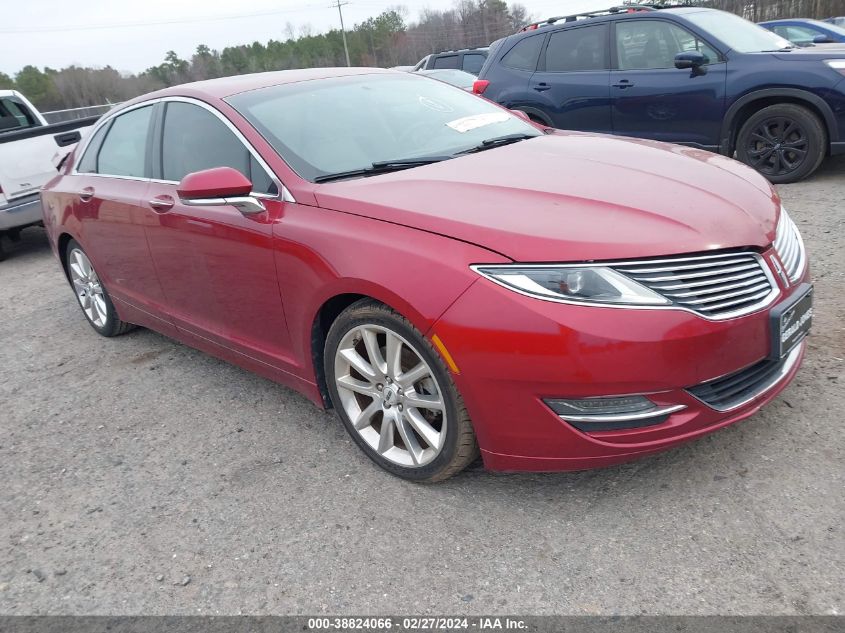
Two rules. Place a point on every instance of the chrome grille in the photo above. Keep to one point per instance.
(715, 286)
(790, 247)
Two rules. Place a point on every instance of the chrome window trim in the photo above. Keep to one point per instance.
(135, 178)
(764, 302)
(788, 364)
(284, 193)
(102, 122)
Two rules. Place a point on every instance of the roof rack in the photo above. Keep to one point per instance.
(627, 7)
(468, 48)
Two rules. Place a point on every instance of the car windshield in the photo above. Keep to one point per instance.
(835, 29)
(738, 33)
(333, 126)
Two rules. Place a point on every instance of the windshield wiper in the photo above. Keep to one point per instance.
(383, 167)
(498, 141)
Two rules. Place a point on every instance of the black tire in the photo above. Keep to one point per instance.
(785, 142)
(112, 325)
(459, 447)
(2, 250)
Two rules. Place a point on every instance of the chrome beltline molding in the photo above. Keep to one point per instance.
(284, 193)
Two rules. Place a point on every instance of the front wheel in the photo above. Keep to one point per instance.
(92, 296)
(786, 143)
(394, 395)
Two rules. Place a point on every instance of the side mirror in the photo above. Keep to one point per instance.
(690, 60)
(822, 39)
(521, 114)
(694, 61)
(217, 187)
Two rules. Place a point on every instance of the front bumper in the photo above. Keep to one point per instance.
(20, 212)
(514, 351)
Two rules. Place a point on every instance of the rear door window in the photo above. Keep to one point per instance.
(578, 49)
(473, 62)
(446, 61)
(88, 163)
(15, 115)
(196, 139)
(524, 54)
(124, 150)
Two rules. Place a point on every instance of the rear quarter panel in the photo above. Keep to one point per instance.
(508, 86)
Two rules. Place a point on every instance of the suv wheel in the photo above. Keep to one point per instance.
(394, 395)
(785, 143)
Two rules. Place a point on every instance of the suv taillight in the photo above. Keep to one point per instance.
(479, 86)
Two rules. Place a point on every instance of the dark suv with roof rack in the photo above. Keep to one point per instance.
(470, 60)
(697, 77)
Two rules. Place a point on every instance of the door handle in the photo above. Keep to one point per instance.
(542, 86)
(624, 83)
(160, 204)
(86, 194)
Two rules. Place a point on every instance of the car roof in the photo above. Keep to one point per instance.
(442, 71)
(227, 86)
(796, 20)
(624, 12)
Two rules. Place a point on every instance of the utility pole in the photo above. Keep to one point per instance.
(340, 4)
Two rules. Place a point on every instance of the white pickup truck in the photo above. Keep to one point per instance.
(28, 151)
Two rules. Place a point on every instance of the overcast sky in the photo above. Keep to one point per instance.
(132, 35)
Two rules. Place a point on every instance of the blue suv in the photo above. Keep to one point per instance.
(697, 77)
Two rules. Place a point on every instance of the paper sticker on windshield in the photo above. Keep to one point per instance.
(467, 123)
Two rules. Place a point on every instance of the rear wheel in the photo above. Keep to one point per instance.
(394, 395)
(785, 142)
(92, 296)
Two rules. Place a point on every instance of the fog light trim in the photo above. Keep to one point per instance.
(641, 412)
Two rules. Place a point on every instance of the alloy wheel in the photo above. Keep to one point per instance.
(777, 146)
(88, 288)
(391, 395)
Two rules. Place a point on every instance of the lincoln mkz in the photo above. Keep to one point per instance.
(451, 278)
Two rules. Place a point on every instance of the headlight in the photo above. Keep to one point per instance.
(577, 284)
(837, 64)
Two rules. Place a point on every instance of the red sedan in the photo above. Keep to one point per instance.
(447, 276)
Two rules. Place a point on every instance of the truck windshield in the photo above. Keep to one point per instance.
(737, 33)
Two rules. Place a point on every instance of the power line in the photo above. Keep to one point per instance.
(340, 4)
(215, 18)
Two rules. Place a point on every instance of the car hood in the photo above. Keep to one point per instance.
(574, 197)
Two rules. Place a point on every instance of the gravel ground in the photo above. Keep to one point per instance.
(143, 477)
